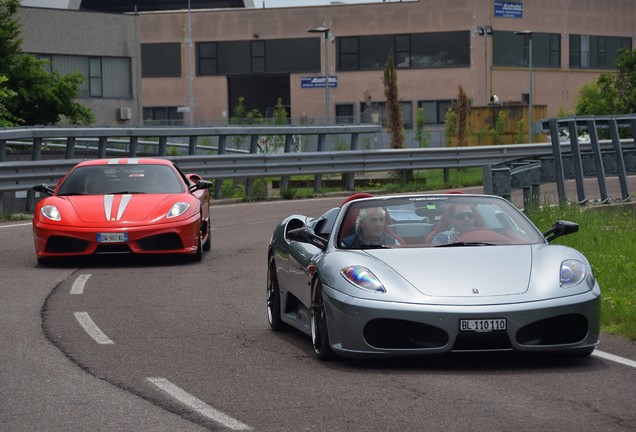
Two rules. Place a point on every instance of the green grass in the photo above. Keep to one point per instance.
(606, 237)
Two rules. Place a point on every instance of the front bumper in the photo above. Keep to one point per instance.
(52, 240)
(363, 328)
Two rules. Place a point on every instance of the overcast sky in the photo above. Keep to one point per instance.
(288, 3)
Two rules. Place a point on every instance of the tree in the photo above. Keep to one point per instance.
(394, 124)
(6, 119)
(612, 93)
(37, 97)
(462, 108)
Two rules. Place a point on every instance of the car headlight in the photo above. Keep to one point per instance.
(51, 212)
(573, 272)
(178, 209)
(362, 278)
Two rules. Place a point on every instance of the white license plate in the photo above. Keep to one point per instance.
(112, 237)
(482, 325)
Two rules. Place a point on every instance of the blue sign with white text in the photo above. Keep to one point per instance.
(508, 9)
(318, 82)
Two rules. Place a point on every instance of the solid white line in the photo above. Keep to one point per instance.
(93, 331)
(614, 358)
(197, 404)
(78, 285)
(16, 225)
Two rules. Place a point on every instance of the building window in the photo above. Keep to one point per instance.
(161, 60)
(258, 56)
(375, 112)
(402, 51)
(95, 77)
(207, 61)
(348, 54)
(512, 50)
(345, 114)
(162, 116)
(435, 110)
(596, 52)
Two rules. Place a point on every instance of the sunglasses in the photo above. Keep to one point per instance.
(463, 215)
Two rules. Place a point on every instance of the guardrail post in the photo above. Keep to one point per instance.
(3, 149)
(192, 145)
(620, 161)
(558, 161)
(350, 178)
(598, 160)
(132, 146)
(70, 147)
(101, 146)
(249, 187)
(163, 146)
(218, 183)
(284, 181)
(318, 177)
(576, 160)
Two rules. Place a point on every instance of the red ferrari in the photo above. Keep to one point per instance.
(120, 206)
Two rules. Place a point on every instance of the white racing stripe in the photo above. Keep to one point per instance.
(198, 405)
(78, 285)
(614, 358)
(93, 331)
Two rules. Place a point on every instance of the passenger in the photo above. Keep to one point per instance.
(370, 229)
(94, 184)
(461, 221)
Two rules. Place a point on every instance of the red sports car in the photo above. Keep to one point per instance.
(118, 206)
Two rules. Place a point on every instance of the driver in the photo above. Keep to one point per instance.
(370, 229)
(462, 220)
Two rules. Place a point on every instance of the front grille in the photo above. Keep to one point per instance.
(564, 329)
(168, 241)
(401, 334)
(61, 244)
(482, 341)
(113, 248)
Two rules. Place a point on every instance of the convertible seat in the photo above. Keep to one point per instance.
(349, 224)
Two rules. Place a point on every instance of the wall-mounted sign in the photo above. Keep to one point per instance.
(318, 82)
(508, 9)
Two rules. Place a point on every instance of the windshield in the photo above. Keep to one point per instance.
(434, 220)
(121, 179)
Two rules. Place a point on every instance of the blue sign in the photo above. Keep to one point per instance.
(318, 82)
(508, 9)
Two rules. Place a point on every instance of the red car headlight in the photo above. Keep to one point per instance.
(177, 209)
(51, 212)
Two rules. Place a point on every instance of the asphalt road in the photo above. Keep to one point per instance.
(134, 344)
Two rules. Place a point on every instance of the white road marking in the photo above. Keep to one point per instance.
(78, 285)
(198, 405)
(614, 358)
(16, 225)
(93, 331)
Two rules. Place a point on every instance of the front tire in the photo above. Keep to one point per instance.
(198, 255)
(319, 333)
(273, 298)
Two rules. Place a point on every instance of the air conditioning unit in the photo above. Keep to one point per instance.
(124, 113)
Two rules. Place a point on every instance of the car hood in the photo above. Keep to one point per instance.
(113, 208)
(462, 271)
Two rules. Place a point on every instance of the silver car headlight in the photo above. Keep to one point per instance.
(178, 209)
(51, 212)
(572, 273)
(361, 277)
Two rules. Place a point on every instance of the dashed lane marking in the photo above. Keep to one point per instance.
(78, 285)
(89, 327)
(614, 358)
(198, 405)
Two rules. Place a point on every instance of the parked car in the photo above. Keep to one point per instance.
(432, 273)
(121, 206)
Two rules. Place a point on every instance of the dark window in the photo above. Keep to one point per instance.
(293, 55)
(95, 76)
(161, 60)
(162, 116)
(348, 54)
(596, 52)
(438, 50)
(344, 113)
(258, 56)
(376, 112)
(510, 49)
(402, 51)
(207, 60)
(435, 110)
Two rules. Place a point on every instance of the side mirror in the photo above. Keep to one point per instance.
(307, 235)
(560, 228)
(43, 188)
(201, 184)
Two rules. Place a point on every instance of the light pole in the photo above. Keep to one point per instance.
(325, 32)
(190, 66)
(529, 34)
(485, 32)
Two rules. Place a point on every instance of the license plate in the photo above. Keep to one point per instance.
(482, 325)
(112, 237)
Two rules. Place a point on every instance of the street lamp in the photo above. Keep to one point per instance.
(528, 33)
(485, 31)
(325, 32)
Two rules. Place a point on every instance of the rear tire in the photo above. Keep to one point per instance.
(208, 242)
(319, 333)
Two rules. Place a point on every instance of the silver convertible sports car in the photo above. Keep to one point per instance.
(426, 274)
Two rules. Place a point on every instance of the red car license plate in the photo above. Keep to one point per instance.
(112, 237)
(482, 325)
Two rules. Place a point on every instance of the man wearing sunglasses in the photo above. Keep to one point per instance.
(461, 221)
(370, 229)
